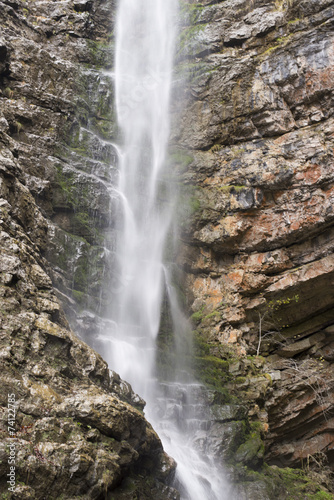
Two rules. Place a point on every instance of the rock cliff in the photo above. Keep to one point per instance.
(78, 430)
(254, 150)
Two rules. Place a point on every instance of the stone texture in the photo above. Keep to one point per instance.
(79, 429)
(76, 431)
(252, 148)
(56, 113)
(256, 131)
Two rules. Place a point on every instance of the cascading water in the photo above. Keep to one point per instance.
(143, 68)
(145, 38)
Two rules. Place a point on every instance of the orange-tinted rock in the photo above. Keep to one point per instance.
(259, 124)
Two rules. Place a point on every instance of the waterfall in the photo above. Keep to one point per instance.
(145, 39)
(143, 69)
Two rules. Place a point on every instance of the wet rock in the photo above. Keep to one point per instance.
(258, 235)
(251, 452)
(229, 412)
(257, 132)
(71, 425)
(300, 346)
(78, 428)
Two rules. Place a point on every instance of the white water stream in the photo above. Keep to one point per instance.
(145, 39)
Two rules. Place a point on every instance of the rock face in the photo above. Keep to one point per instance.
(56, 104)
(255, 152)
(75, 433)
(78, 430)
(252, 149)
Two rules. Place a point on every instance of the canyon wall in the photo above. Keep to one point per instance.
(79, 430)
(251, 150)
(254, 150)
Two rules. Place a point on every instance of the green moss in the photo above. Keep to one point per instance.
(210, 370)
(188, 207)
(81, 275)
(8, 92)
(191, 41)
(231, 188)
(82, 224)
(213, 314)
(256, 427)
(64, 181)
(322, 495)
(80, 297)
(198, 315)
(190, 12)
(180, 158)
(192, 71)
(251, 452)
(285, 484)
(18, 127)
(195, 204)
(201, 347)
(100, 52)
(225, 188)
(269, 51)
(191, 32)
(299, 485)
(94, 105)
(240, 380)
(105, 127)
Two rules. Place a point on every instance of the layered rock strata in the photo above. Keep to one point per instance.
(253, 152)
(56, 99)
(254, 147)
(78, 430)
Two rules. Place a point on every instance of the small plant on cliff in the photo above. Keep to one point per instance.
(317, 468)
(8, 92)
(18, 127)
(264, 335)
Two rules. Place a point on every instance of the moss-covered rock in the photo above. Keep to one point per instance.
(251, 452)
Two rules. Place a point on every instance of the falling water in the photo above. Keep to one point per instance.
(145, 38)
(143, 68)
